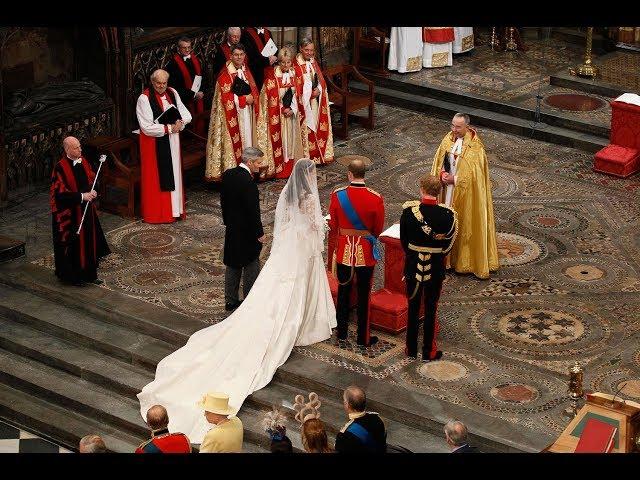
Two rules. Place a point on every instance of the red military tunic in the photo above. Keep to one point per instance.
(164, 442)
(352, 248)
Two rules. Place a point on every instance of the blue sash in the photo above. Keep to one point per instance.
(362, 434)
(352, 215)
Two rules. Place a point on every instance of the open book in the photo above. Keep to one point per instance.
(169, 116)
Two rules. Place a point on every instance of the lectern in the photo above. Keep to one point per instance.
(622, 414)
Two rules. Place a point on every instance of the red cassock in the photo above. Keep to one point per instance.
(155, 204)
(165, 442)
(368, 204)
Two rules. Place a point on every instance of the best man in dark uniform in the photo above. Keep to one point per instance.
(427, 233)
(357, 214)
(161, 440)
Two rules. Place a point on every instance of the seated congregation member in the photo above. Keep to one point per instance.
(365, 431)
(275, 425)
(76, 255)
(314, 437)
(278, 123)
(313, 106)
(456, 434)
(92, 444)
(162, 197)
(234, 116)
(161, 440)
(226, 434)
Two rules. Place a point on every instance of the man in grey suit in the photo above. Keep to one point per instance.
(240, 203)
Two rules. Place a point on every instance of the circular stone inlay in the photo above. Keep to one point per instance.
(574, 103)
(514, 393)
(516, 249)
(152, 240)
(548, 221)
(584, 273)
(443, 370)
(541, 326)
(207, 297)
(155, 277)
(631, 388)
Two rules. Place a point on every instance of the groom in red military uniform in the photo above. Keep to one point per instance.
(357, 213)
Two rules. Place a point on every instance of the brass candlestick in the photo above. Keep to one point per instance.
(576, 375)
(512, 46)
(495, 44)
(587, 69)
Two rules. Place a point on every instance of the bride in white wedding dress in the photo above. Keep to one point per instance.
(290, 304)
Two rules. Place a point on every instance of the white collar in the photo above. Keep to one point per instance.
(260, 30)
(186, 57)
(246, 168)
(76, 161)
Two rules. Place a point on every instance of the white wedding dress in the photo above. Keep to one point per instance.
(290, 304)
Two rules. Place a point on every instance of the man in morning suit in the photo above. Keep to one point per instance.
(357, 214)
(240, 204)
(365, 431)
(456, 435)
(161, 440)
(427, 233)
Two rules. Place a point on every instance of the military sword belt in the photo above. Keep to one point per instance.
(417, 248)
(353, 232)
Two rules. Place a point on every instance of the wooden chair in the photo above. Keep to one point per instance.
(374, 44)
(120, 174)
(345, 100)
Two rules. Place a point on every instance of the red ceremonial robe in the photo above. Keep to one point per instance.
(155, 204)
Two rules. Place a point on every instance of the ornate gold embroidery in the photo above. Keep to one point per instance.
(324, 112)
(229, 105)
(467, 42)
(276, 136)
(275, 120)
(270, 84)
(426, 229)
(440, 59)
(414, 63)
(273, 101)
(321, 143)
(323, 126)
(346, 256)
(359, 256)
(417, 213)
(236, 137)
(277, 152)
(226, 88)
(424, 256)
(233, 122)
(238, 153)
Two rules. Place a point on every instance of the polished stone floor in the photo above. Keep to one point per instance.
(567, 289)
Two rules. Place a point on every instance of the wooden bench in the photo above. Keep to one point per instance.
(346, 101)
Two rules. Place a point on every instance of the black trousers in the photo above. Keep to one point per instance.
(429, 292)
(363, 276)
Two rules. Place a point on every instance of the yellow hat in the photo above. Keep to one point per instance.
(216, 402)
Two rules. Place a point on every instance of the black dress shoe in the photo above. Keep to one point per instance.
(410, 355)
(438, 356)
(97, 281)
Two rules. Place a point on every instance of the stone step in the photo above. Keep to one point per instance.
(62, 426)
(500, 121)
(566, 80)
(106, 305)
(466, 102)
(79, 327)
(70, 392)
(106, 371)
(399, 435)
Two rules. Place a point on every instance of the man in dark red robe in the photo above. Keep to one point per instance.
(255, 39)
(76, 255)
(184, 68)
(223, 52)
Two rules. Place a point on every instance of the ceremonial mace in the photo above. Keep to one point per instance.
(102, 159)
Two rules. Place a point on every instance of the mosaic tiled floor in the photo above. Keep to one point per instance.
(567, 289)
(15, 440)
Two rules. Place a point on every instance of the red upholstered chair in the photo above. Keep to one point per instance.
(622, 156)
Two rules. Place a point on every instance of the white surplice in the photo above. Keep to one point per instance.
(462, 39)
(151, 129)
(245, 116)
(405, 49)
(453, 161)
(289, 305)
